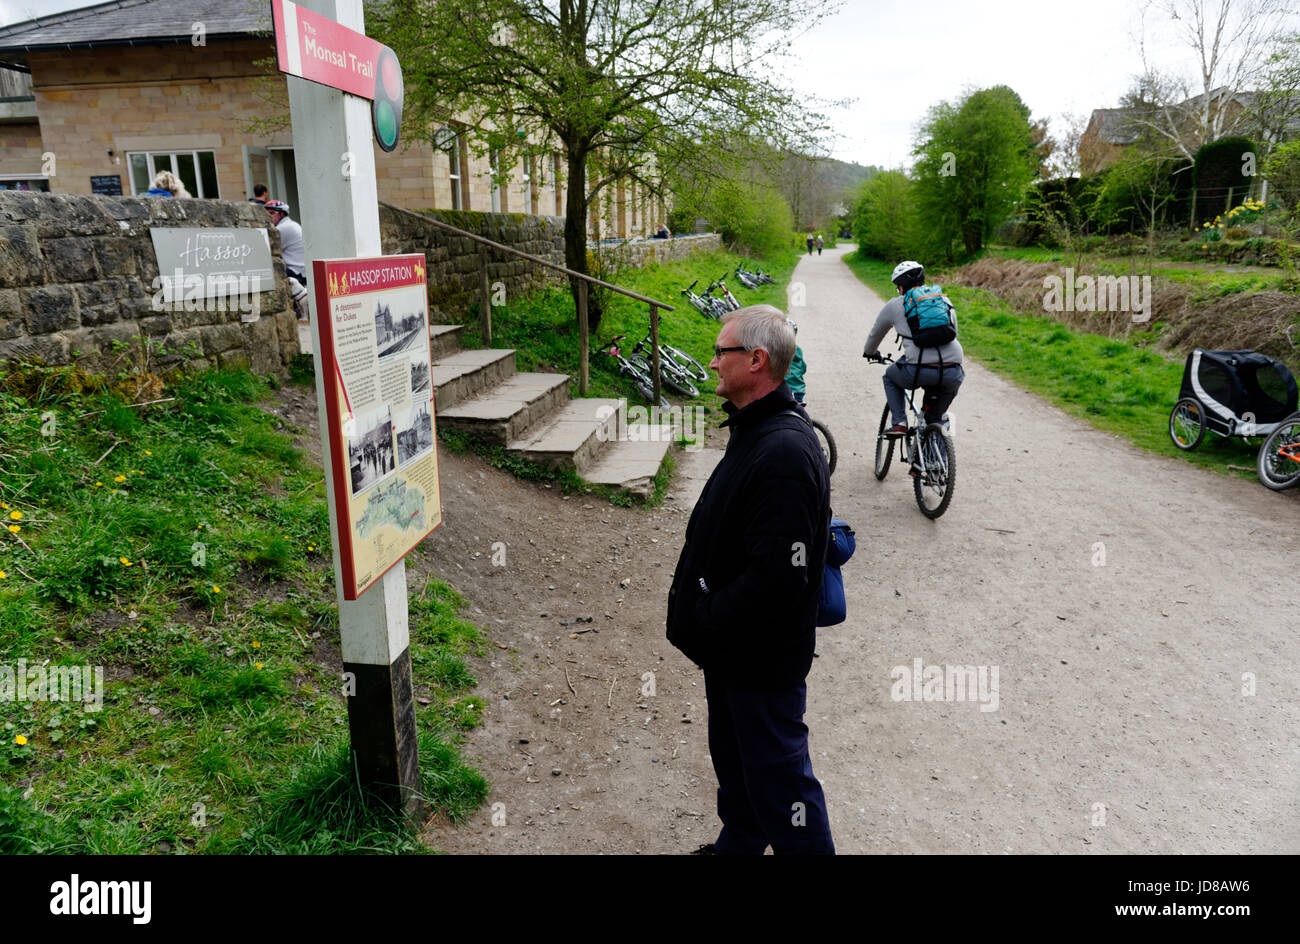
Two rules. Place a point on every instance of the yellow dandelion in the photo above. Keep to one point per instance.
(256, 644)
(16, 515)
(119, 478)
(4, 505)
(148, 453)
(3, 575)
(144, 629)
(124, 562)
(97, 484)
(311, 547)
(257, 665)
(15, 528)
(20, 740)
(216, 589)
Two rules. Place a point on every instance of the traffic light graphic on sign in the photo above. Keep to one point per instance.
(386, 108)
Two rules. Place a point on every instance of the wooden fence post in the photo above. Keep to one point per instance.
(584, 340)
(485, 295)
(654, 352)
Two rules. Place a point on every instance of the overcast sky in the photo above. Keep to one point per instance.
(899, 57)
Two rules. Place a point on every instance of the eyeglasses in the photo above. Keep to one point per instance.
(719, 351)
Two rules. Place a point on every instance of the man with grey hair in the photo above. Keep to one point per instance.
(743, 603)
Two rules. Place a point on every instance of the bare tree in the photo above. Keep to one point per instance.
(1231, 41)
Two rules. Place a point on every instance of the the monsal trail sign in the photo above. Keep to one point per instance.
(318, 49)
(374, 390)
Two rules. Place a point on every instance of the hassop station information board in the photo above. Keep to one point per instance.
(374, 346)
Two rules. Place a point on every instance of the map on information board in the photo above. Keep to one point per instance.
(374, 345)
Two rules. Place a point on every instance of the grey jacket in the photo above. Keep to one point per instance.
(891, 316)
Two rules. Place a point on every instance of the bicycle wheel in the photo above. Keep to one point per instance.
(827, 442)
(1187, 423)
(884, 446)
(933, 481)
(675, 379)
(1275, 470)
(688, 364)
(644, 385)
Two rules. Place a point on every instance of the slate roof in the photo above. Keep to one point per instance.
(134, 22)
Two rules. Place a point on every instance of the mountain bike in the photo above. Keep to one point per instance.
(927, 449)
(727, 298)
(747, 279)
(637, 369)
(1278, 462)
(704, 304)
(688, 365)
(673, 375)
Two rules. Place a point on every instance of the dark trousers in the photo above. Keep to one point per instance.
(767, 794)
(940, 389)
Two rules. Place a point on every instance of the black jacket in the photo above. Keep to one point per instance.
(743, 603)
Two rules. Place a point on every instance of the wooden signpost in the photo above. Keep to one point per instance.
(322, 42)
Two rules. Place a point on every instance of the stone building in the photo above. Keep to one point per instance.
(97, 100)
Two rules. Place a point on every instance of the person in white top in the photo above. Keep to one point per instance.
(291, 248)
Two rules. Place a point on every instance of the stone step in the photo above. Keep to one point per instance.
(461, 375)
(502, 413)
(631, 463)
(572, 437)
(444, 340)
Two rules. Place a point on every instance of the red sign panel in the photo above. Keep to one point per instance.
(317, 48)
(372, 318)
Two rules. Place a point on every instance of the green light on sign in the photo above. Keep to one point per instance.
(386, 109)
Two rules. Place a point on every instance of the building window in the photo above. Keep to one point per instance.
(453, 172)
(555, 179)
(197, 170)
(494, 169)
(11, 182)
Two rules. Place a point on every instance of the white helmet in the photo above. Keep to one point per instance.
(904, 268)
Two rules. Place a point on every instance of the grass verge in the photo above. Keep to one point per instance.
(182, 548)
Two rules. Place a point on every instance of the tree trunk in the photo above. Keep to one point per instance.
(575, 234)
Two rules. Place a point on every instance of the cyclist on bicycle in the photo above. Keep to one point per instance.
(937, 370)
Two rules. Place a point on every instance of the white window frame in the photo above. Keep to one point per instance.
(494, 163)
(153, 170)
(454, 172)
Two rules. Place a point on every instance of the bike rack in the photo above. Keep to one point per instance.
(584, 340)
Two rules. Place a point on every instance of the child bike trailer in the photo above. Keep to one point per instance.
(1230, 393)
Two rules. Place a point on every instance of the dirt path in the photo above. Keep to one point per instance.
(1118, 685)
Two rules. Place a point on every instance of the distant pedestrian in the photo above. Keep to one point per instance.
(819, 244)
(259, 194)
(167, 184)
(810, 243)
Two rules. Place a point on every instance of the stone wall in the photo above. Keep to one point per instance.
(644, 252)
(453, 268)
(76, 283)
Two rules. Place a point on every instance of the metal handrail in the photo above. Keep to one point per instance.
(583, 280)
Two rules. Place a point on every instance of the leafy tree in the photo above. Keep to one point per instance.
(628, 82)
(885, 219)
(1283, 169)
(974, 159)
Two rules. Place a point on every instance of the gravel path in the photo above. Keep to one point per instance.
(1121, 725)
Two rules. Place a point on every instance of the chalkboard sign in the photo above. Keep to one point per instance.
(110, 185)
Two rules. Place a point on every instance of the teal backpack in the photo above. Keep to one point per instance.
(930, 316)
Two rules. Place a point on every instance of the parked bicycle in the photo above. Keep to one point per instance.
(674, 375)
(637, 369)
(754, 279)
(927, 449)
(705, 304)
(726, 297)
